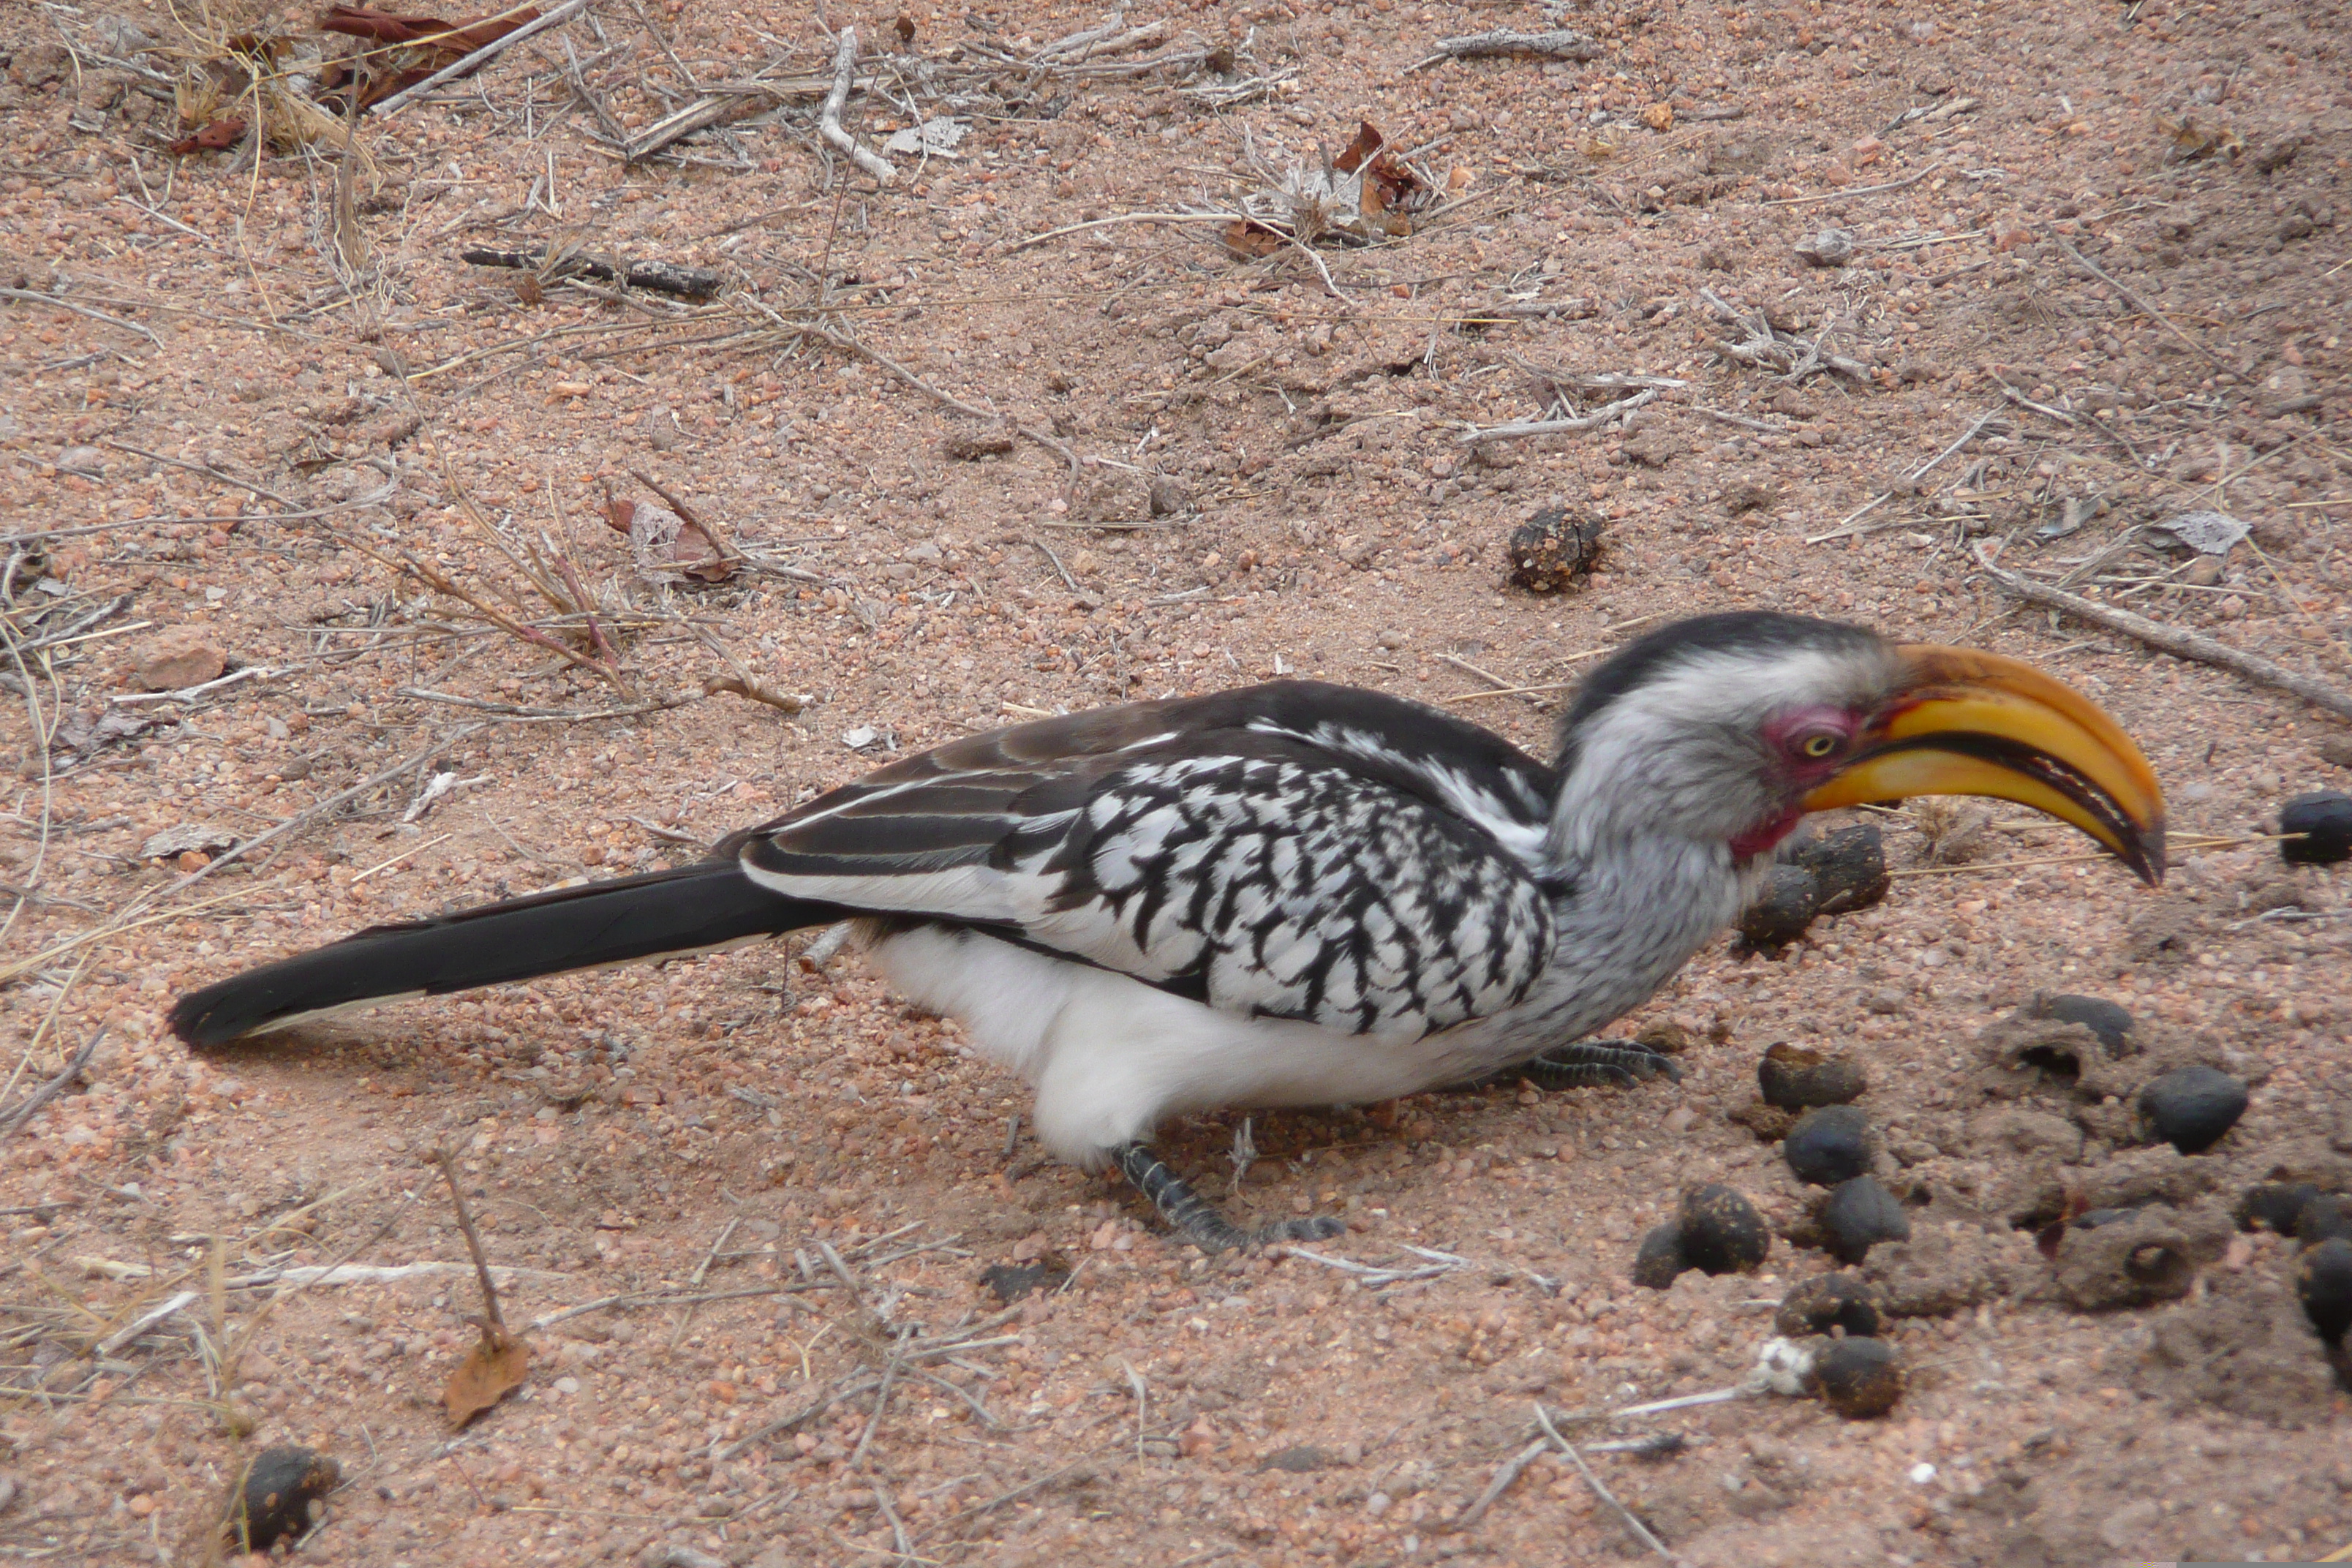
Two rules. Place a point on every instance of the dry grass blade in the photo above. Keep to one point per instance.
(498, 1362)
(12, 1120)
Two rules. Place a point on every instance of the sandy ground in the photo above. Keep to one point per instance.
(1125, 462)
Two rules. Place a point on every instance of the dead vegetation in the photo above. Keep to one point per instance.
(423, 427)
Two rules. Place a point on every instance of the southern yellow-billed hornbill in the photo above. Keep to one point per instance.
(1302, 894)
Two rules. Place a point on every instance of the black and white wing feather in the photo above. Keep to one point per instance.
(1294, 850)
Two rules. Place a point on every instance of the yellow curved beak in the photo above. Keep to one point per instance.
(1970, 722)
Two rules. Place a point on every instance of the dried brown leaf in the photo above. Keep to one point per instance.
(1253, 240)
(494, 1367)
(212, 138)
(1368, 142)
(699, 555)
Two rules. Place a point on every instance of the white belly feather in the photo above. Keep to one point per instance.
(1108, 1056)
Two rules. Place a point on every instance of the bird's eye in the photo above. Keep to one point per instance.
(1818, 745)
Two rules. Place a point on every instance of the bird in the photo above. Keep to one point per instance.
(1302, 893)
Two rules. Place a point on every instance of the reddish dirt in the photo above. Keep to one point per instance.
(1287, 492)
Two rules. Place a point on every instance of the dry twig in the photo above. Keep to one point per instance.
(1641, 1531)
(828, 120)
(481, 57)
(2173, 640)
(2141, 300)
(53, 1088)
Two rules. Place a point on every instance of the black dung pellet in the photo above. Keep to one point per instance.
(2324, 1216)
(2109, 1020)
(1849, 865)
(1660, 1258)
(1861, 1214)
(278, 1491)
(2324, 820)
(1846, 1302)
(1828, 1145)
(2273, 1206)
(2325, 1284)
(2190, 1108)
(1859, 1378)
(1785, 906)
(1721, 1230)
(1796, 1078)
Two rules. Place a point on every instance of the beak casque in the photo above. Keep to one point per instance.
(1969, 722)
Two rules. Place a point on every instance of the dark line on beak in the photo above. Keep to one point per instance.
(2143, 849)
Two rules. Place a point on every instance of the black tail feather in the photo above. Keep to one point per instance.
(692, 909)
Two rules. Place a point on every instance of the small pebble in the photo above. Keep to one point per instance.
(1828, 1144)
(1721, 1230)
(1011, 1282)
(1861, 1214)
(2190, 1108)
(1922, 1473)
(1846, 1302)
(2273, 1206)
(2323, 1218)
(2109, 1020)
(280, 1488)
(2324, 818)
(1830, 247)
(1660, 1260)
(2323, 1283)
(1796, 1079)
(1859, 1378)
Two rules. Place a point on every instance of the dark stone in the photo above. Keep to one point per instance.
(1660, 1258)
(2323, 1218)
(1859, 1378)
(1550, 554)
(1846, 1302)
(1299, 1461)
(1721, 1231)
(2324, 818)
(280, 1487)
(1796, 1079)
(2323, 1283)
(1861, 1214)
(1828, 1144)
(2190, 1108)
(1011, 1282)
(2273, 1206)
(2109, 1020)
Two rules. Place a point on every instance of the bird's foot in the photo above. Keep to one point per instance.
(1198, 1220)
(1594, 1063)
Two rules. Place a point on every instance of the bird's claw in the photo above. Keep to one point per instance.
(1198, 1220)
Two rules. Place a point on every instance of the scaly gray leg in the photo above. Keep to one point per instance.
(1588, 1064)
(1195, 1218)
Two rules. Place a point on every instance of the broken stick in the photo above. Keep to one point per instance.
(498, 1362)
(2172, 640)
(664, 277)
(480, 57)
(1558, 43)
(828, 122)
